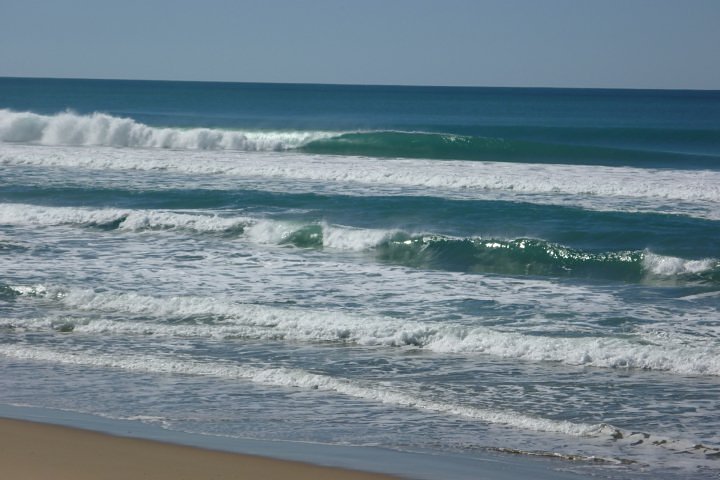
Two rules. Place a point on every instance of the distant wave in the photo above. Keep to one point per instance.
(445, 146)
(68, 128)
(99, 129)
(520, 256)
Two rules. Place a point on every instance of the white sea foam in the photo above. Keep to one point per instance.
(259, 231)
(671, 266)
(130, 220)
(283, 377)
(687, 192)
(354, 239)
(270, 232)
(295, 324)
(22, 214)
(153, 219)
(69, 128)
(267, 232)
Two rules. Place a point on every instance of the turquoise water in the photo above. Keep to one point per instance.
(445, 270)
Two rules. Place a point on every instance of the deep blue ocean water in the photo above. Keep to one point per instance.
(430, 269)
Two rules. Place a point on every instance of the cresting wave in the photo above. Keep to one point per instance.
(521, 256)
(225, 319)
(443, 146)
(69, 128)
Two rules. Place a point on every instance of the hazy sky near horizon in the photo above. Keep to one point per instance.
(550, 43)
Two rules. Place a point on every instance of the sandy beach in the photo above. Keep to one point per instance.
(32, 451)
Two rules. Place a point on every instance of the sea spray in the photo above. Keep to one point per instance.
(69, 128)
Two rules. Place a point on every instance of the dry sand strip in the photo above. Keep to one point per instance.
(36, 451)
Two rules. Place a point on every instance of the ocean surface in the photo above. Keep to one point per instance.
(526, 272)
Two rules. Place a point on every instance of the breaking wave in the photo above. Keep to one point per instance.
(100, 129)
(69, 128)
(519, 256)
(117, 219)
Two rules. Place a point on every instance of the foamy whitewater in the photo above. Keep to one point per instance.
(463, 273)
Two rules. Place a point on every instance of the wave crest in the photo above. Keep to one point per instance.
(68, 128)
(519, 256)
(99, 129)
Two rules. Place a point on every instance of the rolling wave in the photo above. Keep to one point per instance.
(69, 128)
(99, 129)
(519, 256)
(444, 146)
(529, 256)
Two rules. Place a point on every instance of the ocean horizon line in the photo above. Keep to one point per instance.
(368, 85)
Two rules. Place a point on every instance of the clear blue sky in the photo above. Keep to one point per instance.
(554, 43)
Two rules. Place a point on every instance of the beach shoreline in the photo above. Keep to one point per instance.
(34, 439)
(31, 450)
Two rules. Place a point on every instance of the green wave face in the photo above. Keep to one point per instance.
(407, 144)
(522, 256)
(7, 294)
(308, 236)
(463, 147)
(526, 256)
(513, 257)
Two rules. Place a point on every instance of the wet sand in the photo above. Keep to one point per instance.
(35, 451)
